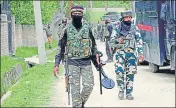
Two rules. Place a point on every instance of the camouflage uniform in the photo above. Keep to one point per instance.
(87, 83)
(80, 46)
(107, 33)
(125, 60)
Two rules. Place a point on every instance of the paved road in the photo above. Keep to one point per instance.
(150, 89)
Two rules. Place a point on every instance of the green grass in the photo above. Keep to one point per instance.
(96, 15)
(8, 63)
(34, 87)
(51, 56)
(54, 44)
(25, 52)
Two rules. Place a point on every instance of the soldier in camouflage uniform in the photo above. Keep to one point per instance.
(48, 34)
(62, 27)
(80, 47)
(102, 31)
(98, 29)
(125, 58)
(107, 33)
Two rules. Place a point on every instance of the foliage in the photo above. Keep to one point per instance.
(24, 11)
(101, 4)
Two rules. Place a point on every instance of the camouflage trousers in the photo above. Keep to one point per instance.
(87, 82)
(125, 68)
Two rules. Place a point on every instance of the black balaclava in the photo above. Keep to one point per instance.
(76, 21)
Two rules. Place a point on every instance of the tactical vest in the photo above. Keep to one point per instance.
(105, 31)
(78, 43)
(131, 36)
(131, 43)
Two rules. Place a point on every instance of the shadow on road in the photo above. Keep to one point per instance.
(166, 71)
(161, 70)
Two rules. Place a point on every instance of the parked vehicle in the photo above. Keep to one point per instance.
(157, 20)
(111, 13)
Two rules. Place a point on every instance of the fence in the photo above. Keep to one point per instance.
(22, 35)
(14, 35)
(4, 35)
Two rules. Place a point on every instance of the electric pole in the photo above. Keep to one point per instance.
(39, 32)
(70, 5)
(91, 4)
(62, 6)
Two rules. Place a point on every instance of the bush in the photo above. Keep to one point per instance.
(24, 11)
(101, 4)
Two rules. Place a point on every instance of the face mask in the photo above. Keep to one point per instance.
(76, 18)
(77, 21)
(127, 22)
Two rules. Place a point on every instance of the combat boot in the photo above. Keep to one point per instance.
(129, 97)
(121, 95)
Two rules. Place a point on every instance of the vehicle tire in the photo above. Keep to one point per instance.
(153, 67)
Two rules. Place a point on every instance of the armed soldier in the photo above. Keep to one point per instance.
(125, 58)
(102, 24)
(98, 30)
(107, 33)
(80, 47)
(49, 35)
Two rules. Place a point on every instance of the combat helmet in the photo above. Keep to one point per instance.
(127, 13)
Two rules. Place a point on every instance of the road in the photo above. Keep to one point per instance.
(150, 89)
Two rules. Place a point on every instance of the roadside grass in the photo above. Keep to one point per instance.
(8, 63)
(96, 15)
(25, 52)
(51, 56)
(34, 87)
(54, 44)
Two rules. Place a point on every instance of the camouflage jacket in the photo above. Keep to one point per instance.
(136, 38)
(63, 42)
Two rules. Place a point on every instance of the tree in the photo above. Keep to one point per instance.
(24, 11)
